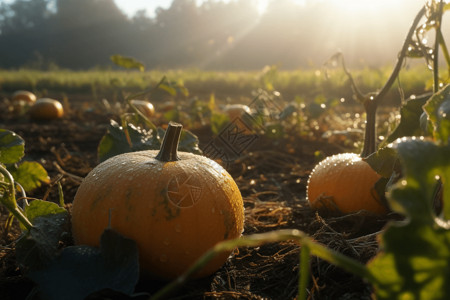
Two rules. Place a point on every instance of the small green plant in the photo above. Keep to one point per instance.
(136, 132)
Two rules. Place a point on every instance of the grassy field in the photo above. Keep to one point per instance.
(305, 84)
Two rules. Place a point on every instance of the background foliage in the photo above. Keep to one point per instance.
(80, 34)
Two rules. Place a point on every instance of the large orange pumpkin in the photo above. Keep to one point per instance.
(346, 183)
(176, 206)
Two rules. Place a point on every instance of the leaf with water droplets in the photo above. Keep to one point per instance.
(414, 256)
(37, 247)
(409, 119)
(438, 110)
(12, 147)
(82, 270)
(116, 141)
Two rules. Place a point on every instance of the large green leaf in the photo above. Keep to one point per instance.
(40, 208)
(39, 246)
(82, 270)
(12, 147)
(384, 161)
(30, 175)
(115, 141)
(438, 110)
(414, 257)
(189, 142)
(410, 119)
(127, 62)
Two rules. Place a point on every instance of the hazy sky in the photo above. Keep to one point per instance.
(131, 6)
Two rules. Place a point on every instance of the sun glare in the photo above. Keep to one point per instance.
(363, 7)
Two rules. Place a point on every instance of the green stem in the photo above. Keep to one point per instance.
(370, 133)
(8, 198)
(303, 279)
(169, 147)
(148, 91)
(380, 95)
(436, 47)
(445, 51)
(371, 102)
(140, 94)
(254, 240)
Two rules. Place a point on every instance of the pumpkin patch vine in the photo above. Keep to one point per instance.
(345, 182)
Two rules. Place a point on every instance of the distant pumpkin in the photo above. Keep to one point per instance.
(46, 109)
(175, 205)
(236, 110)
(145, 107)
(21, 100)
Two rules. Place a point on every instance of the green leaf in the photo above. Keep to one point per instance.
(444, 120)
(127, 62)
(168, 88)
(218, 122)
(82, 270)
(40, 208)
(439, 116)
(189, 142)
(115, 141)
(39, 246)
(384, 161)
(409, 119)
(413, 262)
(30, 175)
(12, 147)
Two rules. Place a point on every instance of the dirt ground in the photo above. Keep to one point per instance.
(272, 177)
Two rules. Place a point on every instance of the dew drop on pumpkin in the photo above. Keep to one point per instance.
(213, 210)
(178, 228)
(166, 242)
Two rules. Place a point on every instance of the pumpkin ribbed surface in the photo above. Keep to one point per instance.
(174, 210)
(346, 183)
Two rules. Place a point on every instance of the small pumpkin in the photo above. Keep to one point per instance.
(24, 96)
(46, 109)
(346, 183)
(175, 205)
(236, 110)
(144, 107)
(22, 100)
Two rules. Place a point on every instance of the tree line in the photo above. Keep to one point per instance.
(82, 34)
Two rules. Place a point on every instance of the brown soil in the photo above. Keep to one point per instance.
(272, 177)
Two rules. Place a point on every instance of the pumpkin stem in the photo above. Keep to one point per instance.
(370, 134)
(169, 147)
